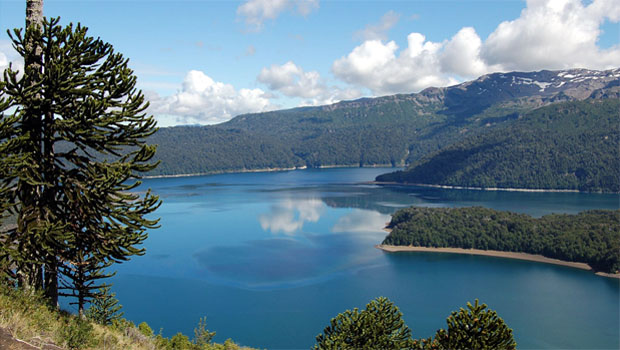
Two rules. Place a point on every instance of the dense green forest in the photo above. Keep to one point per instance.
(391, 130)
(591, 237)
(570, 145)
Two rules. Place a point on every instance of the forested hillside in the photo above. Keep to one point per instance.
(569, 145)
(391, 130)
(591, 237)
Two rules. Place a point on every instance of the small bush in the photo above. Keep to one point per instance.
(77, 334)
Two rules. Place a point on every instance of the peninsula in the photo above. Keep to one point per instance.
(588, 240)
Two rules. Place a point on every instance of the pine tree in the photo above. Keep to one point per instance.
(79, 134)
(105, 308)
(475, 328)
(202, 336)
(379, 326)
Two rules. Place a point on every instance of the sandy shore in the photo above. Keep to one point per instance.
(263, 170)
(495, 253)
(507, 189)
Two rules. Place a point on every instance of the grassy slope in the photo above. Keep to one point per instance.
(28, 318)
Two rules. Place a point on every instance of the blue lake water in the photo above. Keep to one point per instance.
(269, 258)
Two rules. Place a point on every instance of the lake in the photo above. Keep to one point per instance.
(270, 258)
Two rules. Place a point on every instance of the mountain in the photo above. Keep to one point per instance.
(569, 145)
(391, 130)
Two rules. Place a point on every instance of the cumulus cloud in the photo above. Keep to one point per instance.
(378, 31)
(8, 56)
(377, 66)
(461, 54)
(202, 100)
(256, 12)
(292, 81)
(554, 34)
(549, 34)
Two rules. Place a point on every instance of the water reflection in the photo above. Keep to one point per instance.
(288, 216)
(362, 221)
(276, 263)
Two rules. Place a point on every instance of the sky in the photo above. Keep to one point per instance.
(205, 61)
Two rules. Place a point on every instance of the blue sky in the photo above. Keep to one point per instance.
(203, 62)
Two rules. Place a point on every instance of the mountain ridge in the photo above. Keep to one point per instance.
(396, 130)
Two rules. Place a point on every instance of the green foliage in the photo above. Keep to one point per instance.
(145, 330)
(475, 328)
(72, 147)
(180, 342)
(77, 334)
(104, 307)
(591, 237)
(379, 326)
(202, 336)
(570, 145)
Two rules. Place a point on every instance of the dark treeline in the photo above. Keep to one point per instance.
(184, 150)
(591, 237)
(570, 145)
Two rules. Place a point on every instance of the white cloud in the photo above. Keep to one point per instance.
(205, 101)
(461, 54)
(554, 34)
(549, 34)
(256, 12)
(8, 55)
(378, 31)
(292, 81)
(377, 66)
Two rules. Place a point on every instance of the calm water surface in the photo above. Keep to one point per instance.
(269, 258)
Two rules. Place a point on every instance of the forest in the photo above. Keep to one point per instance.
(591, 237)
(390, 131)
(570, 145)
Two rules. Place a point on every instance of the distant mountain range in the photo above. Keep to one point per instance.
(392, 130)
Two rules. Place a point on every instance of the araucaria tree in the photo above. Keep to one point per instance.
(380, 326)
(74, 147)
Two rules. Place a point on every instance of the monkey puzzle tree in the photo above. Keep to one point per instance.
(475, 328)
(77, 139)
(379, 326)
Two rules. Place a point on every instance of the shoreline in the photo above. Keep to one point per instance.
(507, 189)
(266, 170)
(239, 171)
(497, 254)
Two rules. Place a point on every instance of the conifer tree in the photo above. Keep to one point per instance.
(105, 308)
(475, 328)
(379, 326)
(78, 133)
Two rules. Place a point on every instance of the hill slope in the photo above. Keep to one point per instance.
(570, 145)
(391, 130)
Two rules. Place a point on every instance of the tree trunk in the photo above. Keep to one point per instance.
(34, 13)
(31, 274)
(51, 282)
